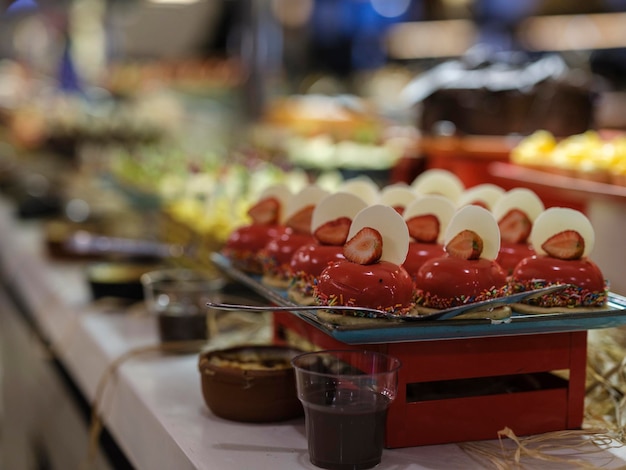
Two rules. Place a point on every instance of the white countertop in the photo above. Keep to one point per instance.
(153, 405)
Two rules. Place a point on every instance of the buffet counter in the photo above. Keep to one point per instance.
(152, 406)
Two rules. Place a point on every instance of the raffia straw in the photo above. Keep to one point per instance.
(541, 447)
(96, 425)
(604, 420)
(606, 387)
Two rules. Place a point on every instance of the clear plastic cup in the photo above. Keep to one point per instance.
(345, 396)
(177, 298)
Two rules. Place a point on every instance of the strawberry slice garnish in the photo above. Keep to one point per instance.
(366, 247)
(566, 245)
(300, 221)
(334, 232)
(265, 212)
(424, 228)
(466, 244)
(514, 226)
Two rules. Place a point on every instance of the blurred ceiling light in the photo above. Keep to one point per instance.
(390, 8)
(424, 39)
(574, 32)
(292, 13)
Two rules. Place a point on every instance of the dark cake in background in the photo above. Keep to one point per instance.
(493, 97)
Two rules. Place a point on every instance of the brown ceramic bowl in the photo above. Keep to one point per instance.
(250, 383)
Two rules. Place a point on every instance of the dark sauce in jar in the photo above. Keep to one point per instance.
(173, 327)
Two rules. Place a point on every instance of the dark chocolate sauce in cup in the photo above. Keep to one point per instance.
(345, 431)
(176, 327)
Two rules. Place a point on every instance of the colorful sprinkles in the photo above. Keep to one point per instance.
(426, 299)
(332, 300)
(570, 297)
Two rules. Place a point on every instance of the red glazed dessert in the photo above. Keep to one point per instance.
(448, 281)
(516, 212)
(382, 285)
(589, 288)
(563, 239)
(276, 255)
(369, 276)
(426, 219)
(306, 264)
(419, 253)
(468, 271)
(512, 253)
(330, 224)
(245, 243)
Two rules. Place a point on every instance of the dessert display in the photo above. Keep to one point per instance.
(593, 156)
(468, 271)
(330, 224)
(372, 274)
(321, 132)
(250, 383)
(438, 181)
(276, 255)
(484, 195)
(244, 244)
(480, 95)
(398, 196)
(427, 219)
(515, 213)
(563, 238)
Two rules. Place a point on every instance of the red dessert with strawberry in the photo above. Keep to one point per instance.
(330, 223)
(563, 239)
(468, 271)
(515, 212)
(371, 275)
(277, 253)
(244, 244)
(426, 220)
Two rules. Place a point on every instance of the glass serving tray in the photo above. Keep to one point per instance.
(387, 331)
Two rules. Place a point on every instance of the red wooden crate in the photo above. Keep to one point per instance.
(468, 389)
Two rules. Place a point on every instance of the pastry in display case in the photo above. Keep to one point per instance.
(591, 156)
(343, 132)
(481, 96)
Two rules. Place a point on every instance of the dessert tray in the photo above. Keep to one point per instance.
(389, 331)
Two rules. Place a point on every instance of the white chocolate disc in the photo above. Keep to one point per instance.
(438, 181)
(522, 199)
(487, 193)
(363, 187)
(310, 195)
(334, 206)
(398, 194)
(390, 225)
(282, 193)
(440, 206)
(558, 219)
(479, 220)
